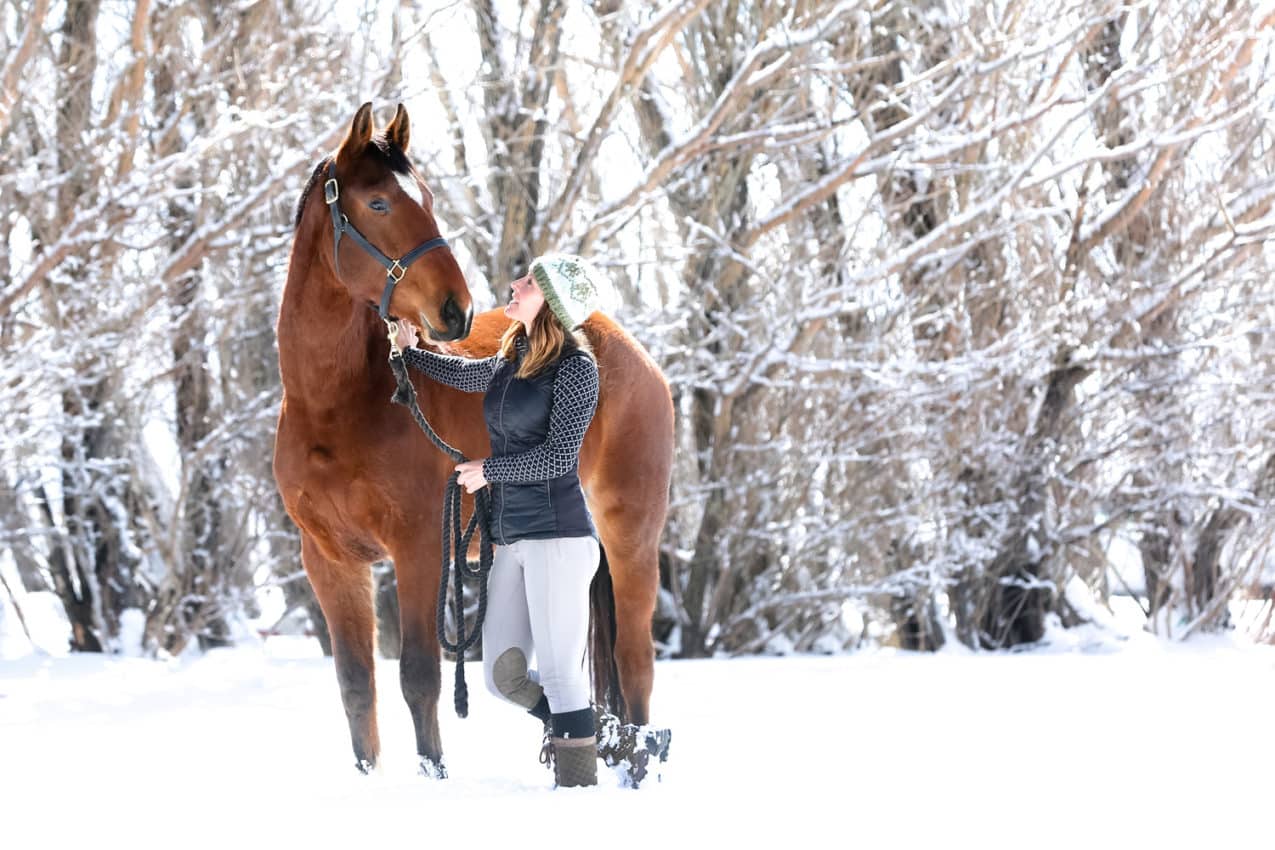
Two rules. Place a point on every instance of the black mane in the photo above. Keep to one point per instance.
(392, 155)
(305, 193)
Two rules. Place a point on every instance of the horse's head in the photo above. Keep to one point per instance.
(384, 198)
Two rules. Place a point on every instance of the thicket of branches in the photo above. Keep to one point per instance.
(952, 297)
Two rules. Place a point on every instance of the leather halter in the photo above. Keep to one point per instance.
(395, 269)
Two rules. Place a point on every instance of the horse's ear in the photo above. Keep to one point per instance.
(360, 132)
(399, 129)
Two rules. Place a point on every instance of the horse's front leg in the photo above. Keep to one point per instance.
(416, 565)
(344, 591)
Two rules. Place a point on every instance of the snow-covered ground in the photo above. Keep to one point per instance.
(1094, 742)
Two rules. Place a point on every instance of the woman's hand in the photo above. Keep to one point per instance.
(406, 336)
(471, 475)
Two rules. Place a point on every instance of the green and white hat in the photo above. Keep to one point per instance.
(572, 286)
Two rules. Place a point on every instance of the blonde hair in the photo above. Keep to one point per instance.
(548, 340)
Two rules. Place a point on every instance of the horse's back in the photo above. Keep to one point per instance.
(627, 457)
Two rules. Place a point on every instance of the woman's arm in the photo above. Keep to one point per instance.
(575, 395)
(466, 374)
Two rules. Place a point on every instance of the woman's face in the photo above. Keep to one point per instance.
(525, 300)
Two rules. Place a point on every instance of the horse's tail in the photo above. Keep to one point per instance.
(606, 677)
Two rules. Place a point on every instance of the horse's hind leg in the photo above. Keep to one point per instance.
(344, 591)
(419, 661)
(635, 576)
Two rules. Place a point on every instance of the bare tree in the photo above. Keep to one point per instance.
(949, 296)
(164, 192)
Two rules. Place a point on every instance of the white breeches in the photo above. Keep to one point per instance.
(538, 602)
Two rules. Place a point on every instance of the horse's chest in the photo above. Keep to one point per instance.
(331, 496)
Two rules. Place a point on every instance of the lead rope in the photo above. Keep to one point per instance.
(455, 569)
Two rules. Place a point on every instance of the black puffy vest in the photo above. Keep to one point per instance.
(517, 414)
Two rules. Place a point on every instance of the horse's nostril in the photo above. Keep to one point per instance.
(453, 317)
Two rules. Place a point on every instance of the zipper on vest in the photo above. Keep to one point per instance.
(504, 391)
(549, 500)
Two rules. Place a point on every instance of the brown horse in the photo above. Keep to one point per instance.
(363, 484)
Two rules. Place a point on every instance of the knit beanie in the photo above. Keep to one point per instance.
(572, 286)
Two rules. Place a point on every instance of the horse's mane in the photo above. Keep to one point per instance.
(391, 155)
(305, 193)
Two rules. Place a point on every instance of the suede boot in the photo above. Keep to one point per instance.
(575, 762)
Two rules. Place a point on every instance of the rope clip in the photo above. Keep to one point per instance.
(391, 328)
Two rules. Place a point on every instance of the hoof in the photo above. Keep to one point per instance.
(629, 750)
(650, 743)
(431, 769)
(364, 766)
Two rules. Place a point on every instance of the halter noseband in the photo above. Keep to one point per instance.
(395, 269)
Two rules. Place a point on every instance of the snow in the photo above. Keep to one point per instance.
(1112, 742)
(45, 620)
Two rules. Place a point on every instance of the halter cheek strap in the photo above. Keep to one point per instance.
(394, 269)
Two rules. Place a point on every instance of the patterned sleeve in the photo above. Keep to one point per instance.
(467, 374)
(575, 395)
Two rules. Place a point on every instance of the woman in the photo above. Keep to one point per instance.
(541, 391)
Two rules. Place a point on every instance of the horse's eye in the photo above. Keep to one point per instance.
(379, 205)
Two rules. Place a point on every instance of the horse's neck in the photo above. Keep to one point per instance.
(325, 338)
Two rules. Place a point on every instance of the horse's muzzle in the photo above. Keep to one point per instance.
(455, 321)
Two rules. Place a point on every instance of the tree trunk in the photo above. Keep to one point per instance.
(93, 574)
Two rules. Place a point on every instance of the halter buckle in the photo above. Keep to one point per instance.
(331, 191)
(397, 268)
